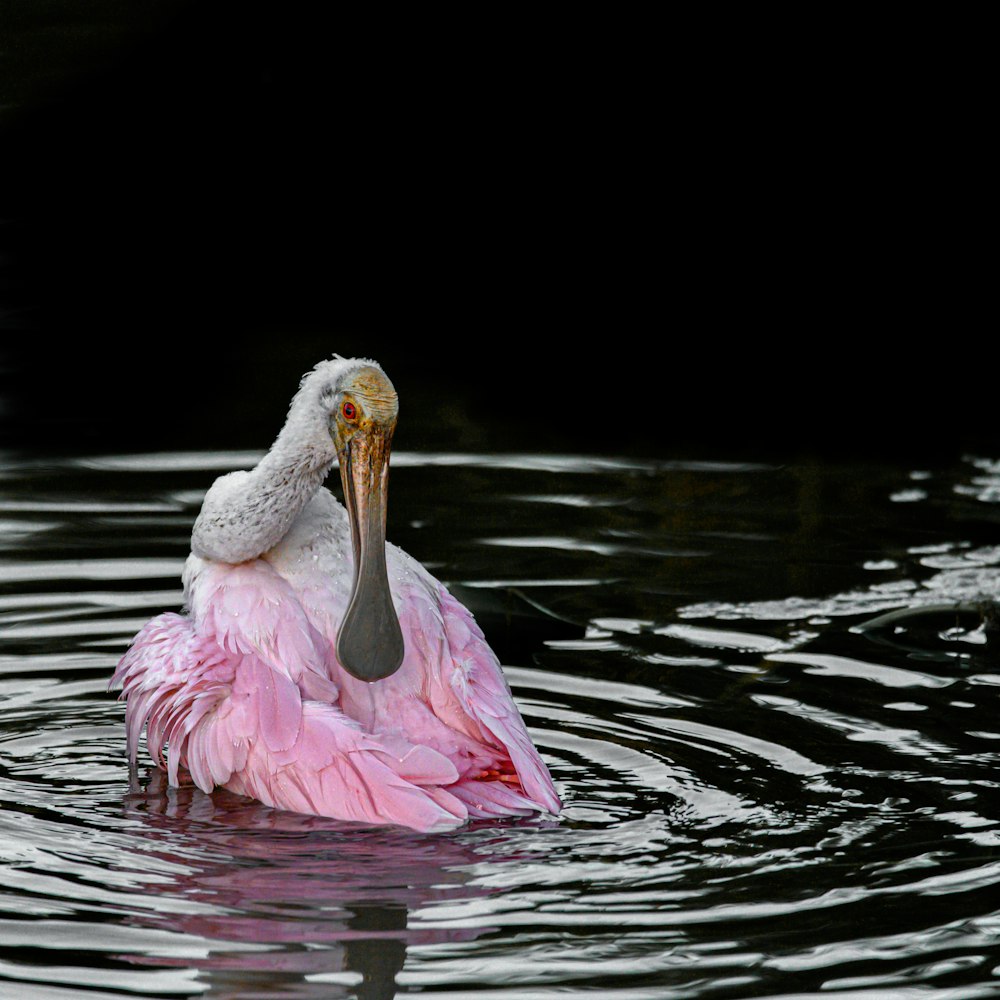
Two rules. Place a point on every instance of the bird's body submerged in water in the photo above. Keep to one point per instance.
(319, 669)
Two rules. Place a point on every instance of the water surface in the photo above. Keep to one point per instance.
(768, 695)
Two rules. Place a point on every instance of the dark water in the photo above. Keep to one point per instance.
(763, 796)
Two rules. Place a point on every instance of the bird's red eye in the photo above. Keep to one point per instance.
(349, 410)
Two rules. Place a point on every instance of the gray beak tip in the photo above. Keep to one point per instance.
(370, 641)
(369, 652)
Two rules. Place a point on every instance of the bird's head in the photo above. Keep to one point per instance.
(361, 401)
(362, 406)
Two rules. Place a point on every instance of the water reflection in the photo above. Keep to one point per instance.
(274, 904)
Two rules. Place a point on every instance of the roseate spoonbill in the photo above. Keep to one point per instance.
(317, 668)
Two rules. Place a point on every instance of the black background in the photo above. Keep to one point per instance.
(581, 232)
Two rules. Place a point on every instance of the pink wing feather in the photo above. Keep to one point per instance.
(218, 689)
(450, 668)
(482, 690)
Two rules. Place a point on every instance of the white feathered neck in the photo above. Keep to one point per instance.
(246, 513)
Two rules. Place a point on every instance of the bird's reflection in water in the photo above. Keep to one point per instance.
(311, 907)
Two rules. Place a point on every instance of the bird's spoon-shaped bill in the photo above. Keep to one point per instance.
(370, 641)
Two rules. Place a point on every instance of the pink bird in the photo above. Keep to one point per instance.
(318, 668)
